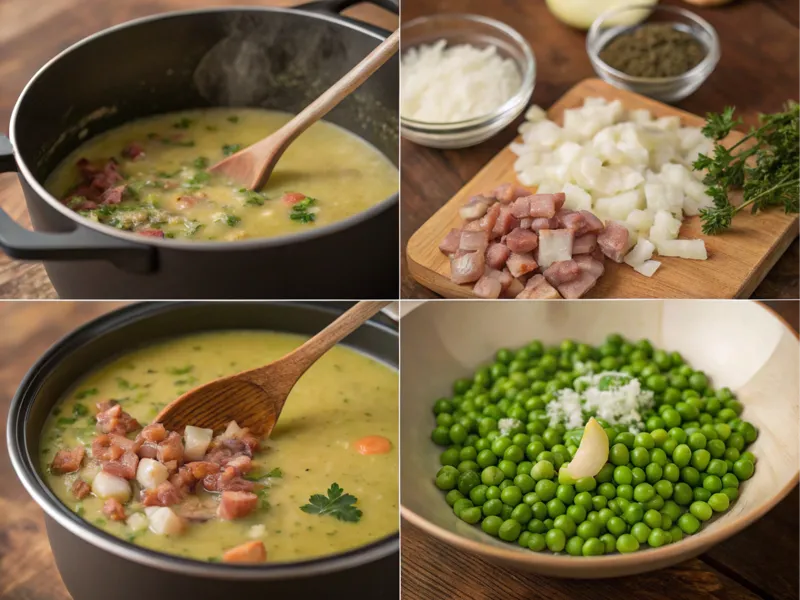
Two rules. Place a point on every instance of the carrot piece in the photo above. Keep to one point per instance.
(250, 552)
(373, 444)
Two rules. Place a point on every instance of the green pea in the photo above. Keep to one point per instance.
(511, 496)
(643, 492)
(622, 475)
(729, 480)
(640, 457)
(633, 513)
(447, 478)
(663, 488)
(688, 523)
(471, 515)
(625, 491)
(536, 542)
(701, 494)
(682, 455)
(543, 470)
(641, 532)
(546, 489)
(478, 494)
(626, 543)
(682, 494)
(491, 525)
(556, 540)
(565, 524)
(509, 530)
(492, 476)
(460, 505)
(616, 526)
(719, 502)
(700, 459)
(585, 484)
(555, 508)
(743, 469)
(508, 468)
(701, 510)
(576, 512)
(453, 496)
(539, 510)
(672, 473)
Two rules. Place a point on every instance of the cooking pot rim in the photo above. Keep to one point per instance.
(198, 246)
(25, 467)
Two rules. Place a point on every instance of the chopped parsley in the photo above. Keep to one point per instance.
(198, 180)
(75, 202)
(230, 220)
(192, 227)
(124, 384)
(233, 119)
(167, 175)
(300, 211)
(263, 498)
(180, 370)
(201, 162)
(66, 421)
(182, 143)
(86, 393)
(253, 198)
(336, 504)
(229, 149)
(183, 123)
(80, 410)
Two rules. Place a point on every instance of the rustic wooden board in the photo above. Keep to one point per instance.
(738, 259)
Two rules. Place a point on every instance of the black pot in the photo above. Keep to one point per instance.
(97, 566)
(284, 58)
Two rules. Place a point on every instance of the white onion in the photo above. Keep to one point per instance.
(582, 13)
(647, 268)
(641, 252)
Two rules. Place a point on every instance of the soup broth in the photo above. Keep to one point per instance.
(344, 397)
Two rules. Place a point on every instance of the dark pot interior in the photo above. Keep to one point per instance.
(95, 565)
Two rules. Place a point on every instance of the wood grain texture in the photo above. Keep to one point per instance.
(738, 259)
(31, 33)
(759, 562)
(752, 35)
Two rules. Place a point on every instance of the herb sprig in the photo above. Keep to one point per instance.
(300, 211)
(336, 504)
(766, 166)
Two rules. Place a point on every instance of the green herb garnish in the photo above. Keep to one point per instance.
(263, 498)
(253, 198)
(336, 503)
(199, 179)
(771, 179)
(182, 143)
(233, 119)
(80, 410)
(229, 149)
(75, 202)
(86, 393)
(201, 162)
(66, 421)
(300, 212)
(231, 220)
(180, 370)
(183, 123)
(124, 384)
(167, 175)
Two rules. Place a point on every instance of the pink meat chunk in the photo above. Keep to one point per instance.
(591, 265)
(236, 505)
(508, 192)
(489, 220)
(505, 222)
(540, 223)
(474, 209)
(526, 223)
(514, 288)
(559, 198)
(543, 206)
(614, 241)
(593, 224)
(562, 272)
(578, 286)
(496, 255)
(67, 461)
(467, 267)
(449, 245)
(521, 263)
(571, 220)
(538, 288)
(522, 240)
(488, 286)
(584, 244)
(473, 241)
(521, 207)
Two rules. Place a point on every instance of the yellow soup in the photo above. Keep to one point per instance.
(344, 397)
(150, 176)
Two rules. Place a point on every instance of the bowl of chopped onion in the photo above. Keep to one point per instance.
(463, 79)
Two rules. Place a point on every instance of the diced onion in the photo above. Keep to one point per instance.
(196, 441)
(640, 253)
(165, 522)
(694, 249)
(647, 268)
(111, 486)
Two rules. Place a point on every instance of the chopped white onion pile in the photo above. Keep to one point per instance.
(623, 166)
(445, 84)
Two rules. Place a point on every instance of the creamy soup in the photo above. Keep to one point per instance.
(150, 176)
(343, 402)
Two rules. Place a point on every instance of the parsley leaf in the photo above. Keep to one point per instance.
(183, 123)
(201, 162)
(233, 119)
(80, 410)
(229, 149)
(180, 370)
(86, 393)
(335, 504)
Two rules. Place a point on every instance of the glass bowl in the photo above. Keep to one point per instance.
(665, 89)
(478, 31)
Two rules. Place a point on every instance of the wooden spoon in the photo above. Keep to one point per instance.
(256, 397)
(253, 166)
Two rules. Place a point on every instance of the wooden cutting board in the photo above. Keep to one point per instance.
(737, 260)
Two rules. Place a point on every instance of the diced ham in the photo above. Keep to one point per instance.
(166, 494)
(489, 220)
(171, 448)
(154, 433)
(538, 288)
(472, 226)
(114, 510)
(147, 450)
(250, 552)
(521, 207)
(508, 192)
(112, 419)
(543, 206)
(290, 198)
(578, 286)
(559, 198)
(514, 288)
(474, 209)
(473, 241)
(235, 505)
(467, 267)
(133, 151)
(520, 264)
(104, 448)
(227, 480)
(614, 241)
(504, 277)
(125, 466)
(496, 255)
(571, 220)
(562, 272)
(505, 222)
(67, 461)
(80, 489)
(449, 245)
(584, 244)
(522, 240)
(488, 286)
(591, 265)
(543, 223)
(185, 202)
(526, 223)
(157, 233)
(593, 224)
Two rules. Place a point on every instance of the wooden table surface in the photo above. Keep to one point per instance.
(761, 562)
(31, 33)
(756, 38)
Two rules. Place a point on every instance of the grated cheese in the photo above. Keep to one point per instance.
(445, 84)
(612, 396)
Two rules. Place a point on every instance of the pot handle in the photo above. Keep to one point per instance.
(81, 243)
(334, 7)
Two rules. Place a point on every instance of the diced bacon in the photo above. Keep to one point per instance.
(107, 178)
(514, 288)
(504, 277)
(154, 433)
(291, 198)
(171, 448)
(473, 241)
(104, 448)
(522, 240)
(86, 169)
(571, 220)
(520, 264)
(474, 209)
(538, 288)
(147, 450)
(543, 206)
(521, 207)
(185, 202)
(156, 233)
(559, 198)
(584, 244)
(489, 220)
(505, 222)
(496, 255)
(133, 151)
(507, 193)
(112, 419)
(235, 505)
(250, 552)
(166, 494)
(114, 510)
(242, 464)
(597, 254)
(467, 267)
(591, 265)
(526, 223)
(614, 241)
(227, 480)
(561, 272)
(593, 224)
(67, 461)
(472, 226)
(488, 287)
(543, 223)
(578, 286)
(196, 510)
(80, 489)
(125, 466)
(449, 245)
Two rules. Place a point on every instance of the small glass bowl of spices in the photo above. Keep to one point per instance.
(666, 57)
